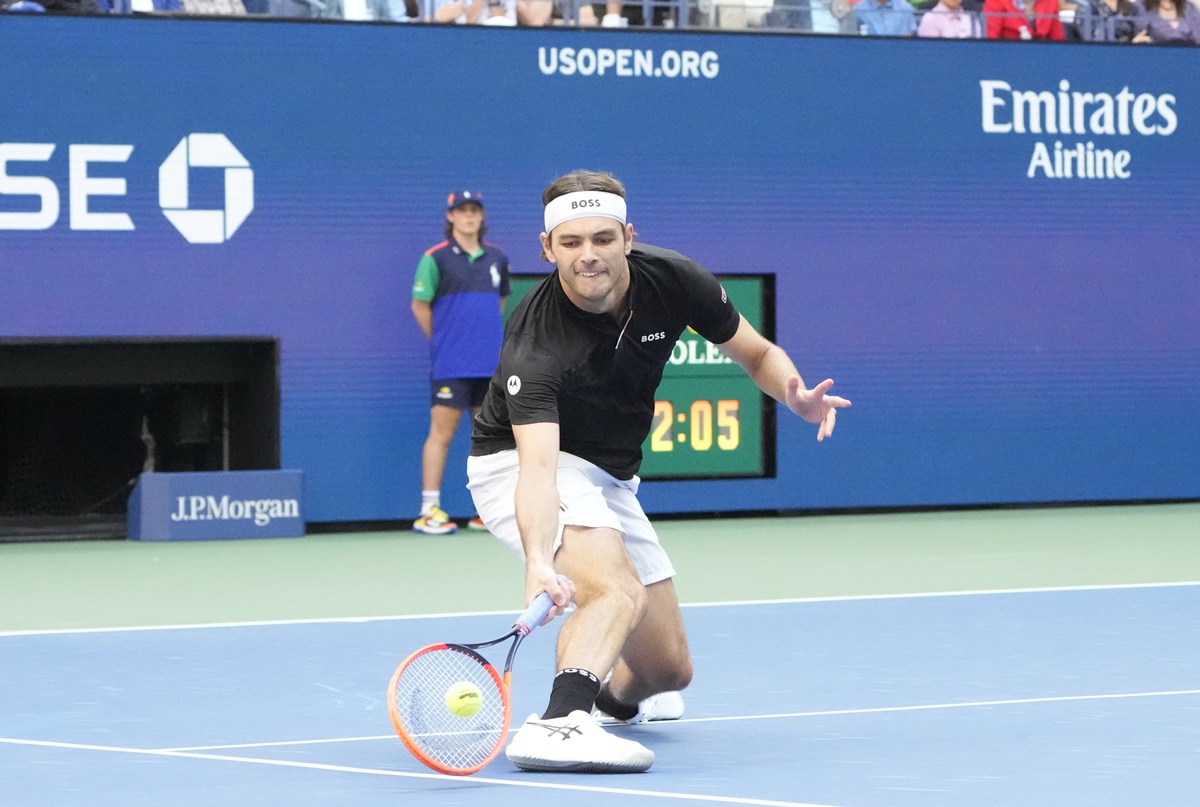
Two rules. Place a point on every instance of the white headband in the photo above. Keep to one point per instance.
(579, 204)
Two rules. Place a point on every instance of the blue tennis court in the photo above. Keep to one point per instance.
(1080, 696)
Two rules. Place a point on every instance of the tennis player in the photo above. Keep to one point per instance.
(555, 452)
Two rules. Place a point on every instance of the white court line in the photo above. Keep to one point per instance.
(179, 753)
(514, 612)
(956, 705)
(824, 713)
(983, 592)
(280, 743)
(470, 781)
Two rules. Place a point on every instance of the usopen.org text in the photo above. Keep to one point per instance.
(629, 62)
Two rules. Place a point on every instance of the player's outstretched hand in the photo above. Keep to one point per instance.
(814, 405)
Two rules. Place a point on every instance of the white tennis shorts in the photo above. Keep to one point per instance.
(588, 497)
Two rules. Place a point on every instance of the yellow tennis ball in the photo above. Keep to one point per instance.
(463, 699)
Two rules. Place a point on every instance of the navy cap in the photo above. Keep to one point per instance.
(460, 198)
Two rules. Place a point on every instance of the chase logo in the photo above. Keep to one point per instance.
(206, 151)
(38, 200)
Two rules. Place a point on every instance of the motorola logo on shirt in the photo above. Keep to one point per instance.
(514, 385)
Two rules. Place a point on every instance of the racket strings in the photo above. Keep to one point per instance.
(420, 701)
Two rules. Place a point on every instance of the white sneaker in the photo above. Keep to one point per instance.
(663, 706)
(575, 743)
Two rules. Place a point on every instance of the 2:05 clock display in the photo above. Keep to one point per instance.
(710, 419)
(700, 415)
(717, 435)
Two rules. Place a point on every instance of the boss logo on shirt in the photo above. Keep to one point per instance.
(654, 337)
(514, 385)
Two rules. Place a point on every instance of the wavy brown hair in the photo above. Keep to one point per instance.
(583, 180)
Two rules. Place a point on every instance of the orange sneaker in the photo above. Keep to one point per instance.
(435, 523)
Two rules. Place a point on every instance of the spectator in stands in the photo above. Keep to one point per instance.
(620, 15)
(302, 8)
(832, 17)
(535, 13)
(500, 13)
(886, 18)
(130, 6)
(397, 10)
(1168, 22)
(950, 19)
(382, 10)
(1023, 19)
(221, 7)
(483, 12)
(354, 10)
(460, 11)
(1106, 20)
(539, 13)
(57, 7)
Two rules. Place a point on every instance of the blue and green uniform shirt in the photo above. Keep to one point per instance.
(464, 292)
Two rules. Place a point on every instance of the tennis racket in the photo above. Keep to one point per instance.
(425, 683)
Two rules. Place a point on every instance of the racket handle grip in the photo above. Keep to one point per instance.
(532, 616)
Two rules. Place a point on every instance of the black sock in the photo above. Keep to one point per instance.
(606, 703)
(573, 690)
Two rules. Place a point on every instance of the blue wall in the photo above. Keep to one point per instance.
(1003, 338)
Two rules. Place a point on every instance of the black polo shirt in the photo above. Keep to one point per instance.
(593, 374)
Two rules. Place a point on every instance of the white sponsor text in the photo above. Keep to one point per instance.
(628, 62)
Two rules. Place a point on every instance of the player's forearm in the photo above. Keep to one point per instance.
(772, 370)
(537, 516)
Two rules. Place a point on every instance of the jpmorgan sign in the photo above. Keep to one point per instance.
(223, 504)
(197, 150)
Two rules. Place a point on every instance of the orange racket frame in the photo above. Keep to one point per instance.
(502, 686)
(524, 625)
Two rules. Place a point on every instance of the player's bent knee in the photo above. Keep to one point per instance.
(633, 597)
(640, 602)
(627, 596)
(672, 676)
(673, 672)
(679, 677)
